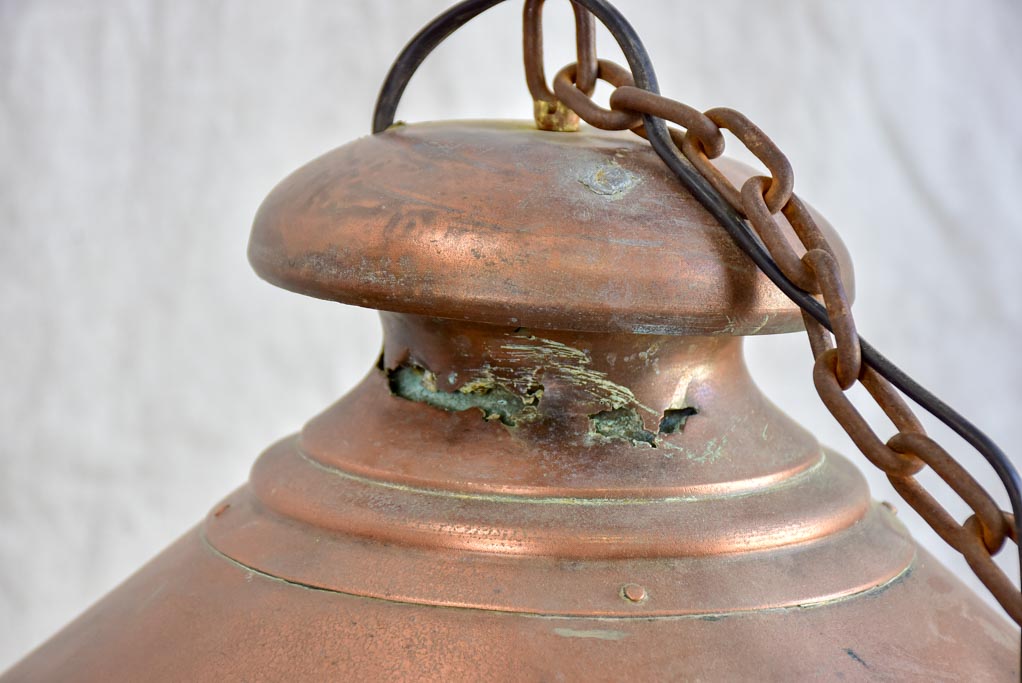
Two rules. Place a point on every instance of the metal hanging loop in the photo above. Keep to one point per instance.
(438, 30)
(550, 113)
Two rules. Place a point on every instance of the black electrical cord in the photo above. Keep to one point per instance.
(440, 28)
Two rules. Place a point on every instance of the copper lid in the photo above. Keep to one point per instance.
(497, 222)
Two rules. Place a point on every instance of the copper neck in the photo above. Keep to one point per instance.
(588, 388)
(519, 447)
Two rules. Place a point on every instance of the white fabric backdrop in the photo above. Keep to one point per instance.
(143, 366)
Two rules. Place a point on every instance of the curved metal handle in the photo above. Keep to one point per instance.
(438, 30)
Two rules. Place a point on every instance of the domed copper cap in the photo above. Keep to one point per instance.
(497, 222)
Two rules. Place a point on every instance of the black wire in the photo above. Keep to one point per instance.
(440, 28)
(417, 49)
(435, 32)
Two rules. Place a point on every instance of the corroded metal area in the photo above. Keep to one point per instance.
(500, 223)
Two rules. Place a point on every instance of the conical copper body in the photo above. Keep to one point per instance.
(559, 470)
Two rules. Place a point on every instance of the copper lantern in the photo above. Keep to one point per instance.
(559, 469)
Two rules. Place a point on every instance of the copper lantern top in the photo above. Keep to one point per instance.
(559, 468)
(499, 223)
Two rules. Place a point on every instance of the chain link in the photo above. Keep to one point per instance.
(583, 105)
(550, 113)
(763, 200)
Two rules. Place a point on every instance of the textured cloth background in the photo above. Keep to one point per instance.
(143, 366)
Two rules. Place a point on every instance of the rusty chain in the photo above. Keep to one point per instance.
(838, 355)
(752, 217)
(549, 111)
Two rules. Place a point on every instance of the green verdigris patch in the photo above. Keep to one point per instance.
(495, 402)
(509, 387)
(621, 424)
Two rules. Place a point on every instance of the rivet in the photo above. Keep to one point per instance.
(633, 592)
